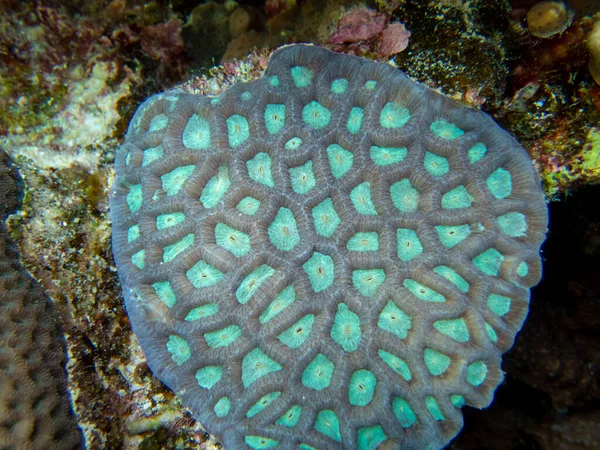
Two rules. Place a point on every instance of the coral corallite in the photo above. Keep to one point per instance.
(331, 256)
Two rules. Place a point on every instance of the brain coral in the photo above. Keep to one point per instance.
(35, 408)
(331, 256)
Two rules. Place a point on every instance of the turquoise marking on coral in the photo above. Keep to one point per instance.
(203, 275)
(361, 199)
(284, 299)
(367, 281)
(434, 408)
(339, 85)
(477, 152)
(364, 242)
(355, 120)
(252, 282)
(134, 198)
(179, 349)
(223, 337)
(248, 205)
(173, 181)
(246, 96)
(215, 101)
(238, 130)
(297, 334)
(452, 235)
(457, 400)
(232, 240)
(453, 277)
(283, 231)
(170, 252)
(128, 158)
(423, 293)
(139, 259)
(208, 376)
(256, 365)
(476, 373)
(165, 293)
(369, 438)
(499, 304)
(274, 81)
(196, 134)
(158, 122)
(500, 183)
(371, 84)
(263, 403)
(306, 447)
(398, 365)
(489, 262)
(320, 270)
(133, 233)
(446, 130)
(316, 115)
(202, 311)
(302, 76)
(394, 320)
(386, 156)
(274, 117)
(409, 245)
(346, 328)
(259, 442)
(403, 412)
(259, 169)
(152, 154)
(458, 197)
(328, 424)
(361, 388)
(437, 363)
(340, 160)
(454, 328)
(215, 188)
(318, 373)
(523, 269)
(393, 116)
(404, 196)
(222, 407)
(293, 144)
(291, 417)
(513, 224)
(436, 165)
(169, 220)
(491, 332)
(302, 178)
(325, 217)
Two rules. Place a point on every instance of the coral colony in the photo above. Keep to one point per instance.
(330, 256)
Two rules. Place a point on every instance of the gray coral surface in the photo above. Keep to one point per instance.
(330, 256)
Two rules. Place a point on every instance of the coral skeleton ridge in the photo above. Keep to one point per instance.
(330, 256)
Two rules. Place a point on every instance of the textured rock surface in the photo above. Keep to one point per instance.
(332, 255)
(35, 409)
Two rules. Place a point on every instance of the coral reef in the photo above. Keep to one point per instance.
(35, 410)
(330, 256)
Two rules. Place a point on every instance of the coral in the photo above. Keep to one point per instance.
(329, 256)
(35, 410)
(594, 47)
(546, 19)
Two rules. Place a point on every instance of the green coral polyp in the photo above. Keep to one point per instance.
(170, 252)
(318, 373)
(409, 245)
(397, 364)
(320, 270)
(284, 299)
(259, 169)
(297, 334)
(513, 224)
(489, 262)
(215, 188)
(326, 219)
(316, 115)
(370, 438)
(169, 220)
(433, 408)
(252, 282)
(393, 116)
(263, 403)
(339, 86)
(437, 363)
(222, 407)
(283, 231)
(256, 365)
(422, 292)
(340, 160)
(404, 196)
(274, 117)
(232, 240)
(179, 349)
(364, 242)
(138, 259)
(500, 183)
(436, 165)
(238, 130)
(302, 76)
(355, 120)
(477, 373)
(223, 337)
(203, 275)
(361, 388)
(201, 312)
(152, 154)
(446, 130)
(452, 235)
(259, 442)
(328, 424)
(454, 328)
(248, 205)
(196, 134)
(500, 304)
(452, 276)
(386, 156)
(134, 198)
(361, 199)
(208, 376)
(133, 233)
(291, 417)
(173, 181)
(393, 320)
(165, 293)
(367, 281)
(458, 197)
(346, 328)
(403, 412)
(302, 178)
